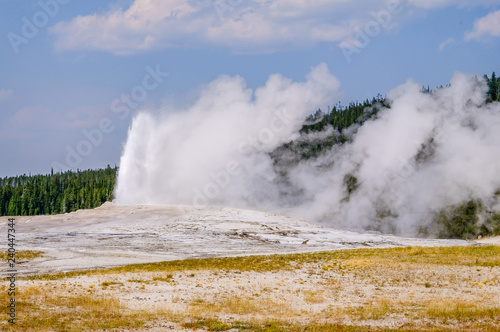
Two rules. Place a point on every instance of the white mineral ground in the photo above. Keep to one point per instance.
(119, 235)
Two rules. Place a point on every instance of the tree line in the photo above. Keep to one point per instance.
(56, 193)
(340, 118)
(493, 88)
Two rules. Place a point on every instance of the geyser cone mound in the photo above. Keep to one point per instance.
(116, 235)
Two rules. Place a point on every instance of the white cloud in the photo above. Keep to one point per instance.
(447, 42)
(430, 3)
(427, 4)
(243, 25)
(6, 94)
(485, 26)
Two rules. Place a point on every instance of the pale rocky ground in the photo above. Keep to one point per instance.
(310, 294)
(115, 235)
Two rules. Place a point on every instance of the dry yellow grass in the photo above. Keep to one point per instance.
(238, 306)
(23, 255)
(397, 289)
(45, 309)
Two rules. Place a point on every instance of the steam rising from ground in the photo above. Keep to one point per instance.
(425, 152)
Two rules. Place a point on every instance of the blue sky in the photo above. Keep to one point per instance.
(65, 64)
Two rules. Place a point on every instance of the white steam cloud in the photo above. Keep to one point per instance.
(217, 151)
(425, 152)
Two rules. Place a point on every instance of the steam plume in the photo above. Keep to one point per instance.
(427, 151)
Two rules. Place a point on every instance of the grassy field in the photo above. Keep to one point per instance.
(395, 289)
(21, 255)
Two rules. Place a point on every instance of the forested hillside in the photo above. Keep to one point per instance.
(322, 131)
(56, 193)
(339, 119)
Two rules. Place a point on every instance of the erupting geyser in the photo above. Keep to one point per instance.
(426, 152)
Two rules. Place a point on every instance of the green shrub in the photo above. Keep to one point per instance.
(491, 226)
(460, 222)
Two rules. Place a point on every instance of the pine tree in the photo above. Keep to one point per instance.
(493, 88)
